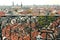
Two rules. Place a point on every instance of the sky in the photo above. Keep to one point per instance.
(30, 2)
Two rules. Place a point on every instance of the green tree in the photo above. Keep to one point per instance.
(46, 20)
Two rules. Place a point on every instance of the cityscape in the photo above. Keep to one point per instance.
(35, 10)
(30, 22)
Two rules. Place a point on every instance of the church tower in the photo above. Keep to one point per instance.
(12, 3)
(21, 4)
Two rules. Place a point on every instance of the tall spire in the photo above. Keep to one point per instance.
(12, 3)
(21, 5)
(17, 4)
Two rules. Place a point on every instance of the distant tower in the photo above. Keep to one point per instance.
(12, 3)
(21, 5)
(17, 5)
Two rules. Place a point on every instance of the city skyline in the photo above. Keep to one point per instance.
(30, 2)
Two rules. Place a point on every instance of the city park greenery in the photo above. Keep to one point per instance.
(45, 21)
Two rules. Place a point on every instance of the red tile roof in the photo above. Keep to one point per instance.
(2, 13)
(58, 12)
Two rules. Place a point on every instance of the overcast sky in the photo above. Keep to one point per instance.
(30, 2)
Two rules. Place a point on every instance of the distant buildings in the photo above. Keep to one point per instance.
(35, 11)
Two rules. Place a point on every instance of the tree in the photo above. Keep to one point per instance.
(46, 20)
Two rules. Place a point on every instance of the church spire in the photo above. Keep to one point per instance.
(21, 5)
(12, 3)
